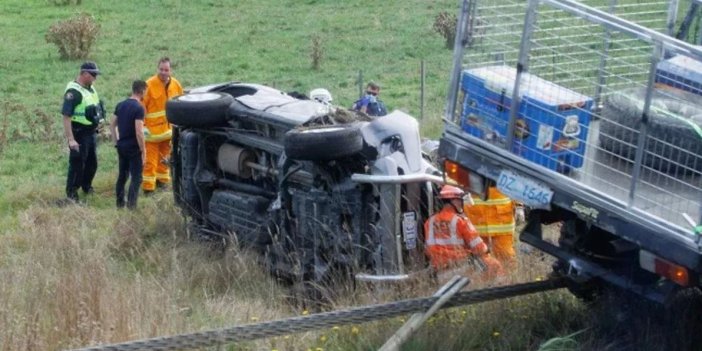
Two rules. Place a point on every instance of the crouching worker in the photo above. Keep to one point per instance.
(451, 241)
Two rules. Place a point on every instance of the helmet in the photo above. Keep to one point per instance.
(321, 95)
(451, 192)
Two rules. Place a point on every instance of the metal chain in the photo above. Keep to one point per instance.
(324, 320)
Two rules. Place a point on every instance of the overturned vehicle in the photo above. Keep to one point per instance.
(317, 190)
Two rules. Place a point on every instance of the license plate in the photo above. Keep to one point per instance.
(409, 229)
(524, 190)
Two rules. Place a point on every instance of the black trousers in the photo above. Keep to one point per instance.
(82, 164)
(130, 166)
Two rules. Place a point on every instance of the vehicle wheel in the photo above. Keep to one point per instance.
(673, 144)
(323, 143)
(199, 109)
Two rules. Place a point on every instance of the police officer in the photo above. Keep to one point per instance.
(82, 112)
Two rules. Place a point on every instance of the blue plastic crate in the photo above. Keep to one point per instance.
(552, 123)
(681, 72)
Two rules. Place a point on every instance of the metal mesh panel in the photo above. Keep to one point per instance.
(581, 99)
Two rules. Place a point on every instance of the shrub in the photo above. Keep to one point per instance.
(316, 52)
(65, 2)
(445, 25)
(74, 37)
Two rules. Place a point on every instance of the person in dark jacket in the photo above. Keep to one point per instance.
(370, 103)
(127, 131)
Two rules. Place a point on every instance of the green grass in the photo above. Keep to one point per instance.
(211, 41)
(88, 274)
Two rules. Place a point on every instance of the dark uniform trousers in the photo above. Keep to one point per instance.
(82, 164)
(130, 166)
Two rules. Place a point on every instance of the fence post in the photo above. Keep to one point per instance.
(360, 83)
(421, 90)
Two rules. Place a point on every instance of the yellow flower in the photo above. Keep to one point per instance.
(538, 279)
(286, 337)
(305, 312)
(323, 338)
(254, 318)
(354, 330)
(496, 334)
(319, 349)
(335, 328)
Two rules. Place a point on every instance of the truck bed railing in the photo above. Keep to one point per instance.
(601, 96)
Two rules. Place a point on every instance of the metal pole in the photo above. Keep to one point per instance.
(522, 67)
(601, 80)
(421, 90)
(643, 130)
(360, 83)
(670, 21)
(444, 294)
(672, 17)
(458, 48)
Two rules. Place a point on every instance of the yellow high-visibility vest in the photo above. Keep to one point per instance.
(88, 98)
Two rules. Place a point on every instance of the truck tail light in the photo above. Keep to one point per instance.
(473, 182)
(664, 268)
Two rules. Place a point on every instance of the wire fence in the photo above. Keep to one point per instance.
(317, 321)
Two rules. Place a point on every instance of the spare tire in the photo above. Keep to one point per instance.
(323, 143)
(674, 142)
(199, 109)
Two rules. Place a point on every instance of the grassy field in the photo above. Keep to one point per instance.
(89, 274)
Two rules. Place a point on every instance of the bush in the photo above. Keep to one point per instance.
(65, 2)
(74, 37)
(445, 24)
(316, 52)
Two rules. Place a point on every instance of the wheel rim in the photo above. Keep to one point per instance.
(199, 97)
(322, 130)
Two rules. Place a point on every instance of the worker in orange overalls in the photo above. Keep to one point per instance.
(159, 88)
(494, 220)
(450, 238)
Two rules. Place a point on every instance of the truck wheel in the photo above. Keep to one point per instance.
(673, 145)
(323, 143)
(199, 109)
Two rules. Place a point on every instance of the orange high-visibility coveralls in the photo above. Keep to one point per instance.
(494, 221)
(158, 130)
(450, 238)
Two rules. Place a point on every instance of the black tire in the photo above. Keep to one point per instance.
(673, 145)
(323, 143)
(199, 109)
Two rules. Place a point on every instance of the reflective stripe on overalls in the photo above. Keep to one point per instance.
(494, 216)
(453, 239)
(156, 117)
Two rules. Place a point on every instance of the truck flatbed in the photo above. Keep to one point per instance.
(597, 193)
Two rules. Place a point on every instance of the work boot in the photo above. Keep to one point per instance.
(160, 186)
(89, 191)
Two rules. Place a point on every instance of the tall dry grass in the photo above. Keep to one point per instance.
(78, 275)
(74, 276)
